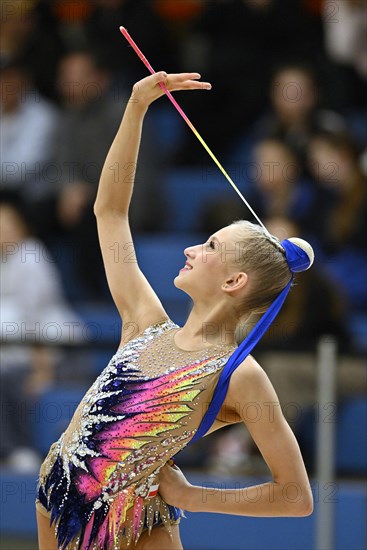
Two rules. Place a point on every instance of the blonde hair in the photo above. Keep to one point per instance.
(262, 257)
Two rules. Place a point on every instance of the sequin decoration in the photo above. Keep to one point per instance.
(144, 408)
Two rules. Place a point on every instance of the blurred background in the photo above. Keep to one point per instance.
(287, 118)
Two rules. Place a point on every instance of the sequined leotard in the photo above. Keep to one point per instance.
(147, 404)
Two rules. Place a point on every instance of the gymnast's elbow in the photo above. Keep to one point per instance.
(303, 506)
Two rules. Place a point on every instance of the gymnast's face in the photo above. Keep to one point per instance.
(208, 266)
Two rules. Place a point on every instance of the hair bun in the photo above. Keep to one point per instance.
(306, 247)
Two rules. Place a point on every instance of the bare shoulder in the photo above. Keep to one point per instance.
(249, 385)
(248, 370)
(249, 382)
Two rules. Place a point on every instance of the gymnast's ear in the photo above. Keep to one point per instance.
(235, 283)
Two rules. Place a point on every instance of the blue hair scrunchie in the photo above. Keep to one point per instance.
(297, 259)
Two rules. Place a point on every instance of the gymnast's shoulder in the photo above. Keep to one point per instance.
(249, 383)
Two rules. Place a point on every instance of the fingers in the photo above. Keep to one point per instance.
(161, 76)
(178, 81)
(199, 86)
(185, 78)
(186, 81)
(189, 85)
(181, 77)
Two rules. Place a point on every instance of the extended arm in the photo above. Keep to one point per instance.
(288, 494)
(134, 297)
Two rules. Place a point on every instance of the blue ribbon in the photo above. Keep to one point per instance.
(297, 260)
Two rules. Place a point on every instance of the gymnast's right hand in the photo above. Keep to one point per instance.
(148, 89)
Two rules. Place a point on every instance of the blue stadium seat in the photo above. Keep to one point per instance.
(161, 257)
(171, 128)
(357, 329)
(189, 191)
(349, 269)
(101, 323)
(56, 408)
(352, 437)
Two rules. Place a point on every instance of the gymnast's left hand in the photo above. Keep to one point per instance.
(174, 487)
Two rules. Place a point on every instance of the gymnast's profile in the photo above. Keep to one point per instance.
(110, 482)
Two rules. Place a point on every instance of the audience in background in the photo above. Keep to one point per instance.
(346, 42)
(33, 311)
(149, 31)
(334, 164)
(91, 115)
(28, 129)
(17, 25)
(286, 114)
(30, 34)
(87, 127)
(274, 186)
(340, 229)
(279, 188)
(294, 116)
(237, 44)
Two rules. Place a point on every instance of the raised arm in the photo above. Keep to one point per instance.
(253, 400)
(135, 299)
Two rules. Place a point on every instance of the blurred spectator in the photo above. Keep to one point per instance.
(237, 43)
(17, 24)
(295, 116)
(91, 116)
(280, 190)
(341, 225)
(345, 68)
(27, 127)
(180, 24)
(345, 23)
(30, 284)
(72, 17)
(295, 98)
(146, 28)
(333, 162)
(275, 187)
(29, 33)
(33, 311)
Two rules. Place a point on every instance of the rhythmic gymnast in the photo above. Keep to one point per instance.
(109, 481)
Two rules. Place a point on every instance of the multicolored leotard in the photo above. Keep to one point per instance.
(99, 480)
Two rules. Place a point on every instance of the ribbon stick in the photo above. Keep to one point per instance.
(187, 120)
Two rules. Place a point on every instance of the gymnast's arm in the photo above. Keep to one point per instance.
(136, 301)
(252, 396)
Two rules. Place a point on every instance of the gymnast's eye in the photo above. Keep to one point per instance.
(211, 244)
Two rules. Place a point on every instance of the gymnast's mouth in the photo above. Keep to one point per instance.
(187, 267)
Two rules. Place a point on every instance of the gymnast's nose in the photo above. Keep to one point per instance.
(190, 252)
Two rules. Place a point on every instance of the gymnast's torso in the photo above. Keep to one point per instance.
(99, 480)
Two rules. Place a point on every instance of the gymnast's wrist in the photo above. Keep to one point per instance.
(191, 496)
(137, 106)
